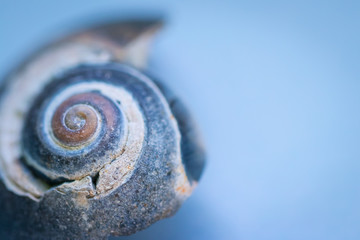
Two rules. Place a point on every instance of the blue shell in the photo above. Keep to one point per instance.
(157, 182)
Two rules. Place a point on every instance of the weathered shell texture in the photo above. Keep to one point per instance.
(89, 145)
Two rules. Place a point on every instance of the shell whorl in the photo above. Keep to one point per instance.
(98, 102)
(74, 128)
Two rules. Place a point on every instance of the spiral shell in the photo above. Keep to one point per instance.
(89, 145)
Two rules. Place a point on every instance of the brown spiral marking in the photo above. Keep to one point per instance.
(75, 121)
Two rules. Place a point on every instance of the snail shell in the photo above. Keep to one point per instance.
(89, 145)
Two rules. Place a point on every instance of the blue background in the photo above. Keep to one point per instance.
(275, 88)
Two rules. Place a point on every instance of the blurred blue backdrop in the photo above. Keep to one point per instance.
(275, 88)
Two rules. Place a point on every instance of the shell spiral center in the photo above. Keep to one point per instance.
(74, 124)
